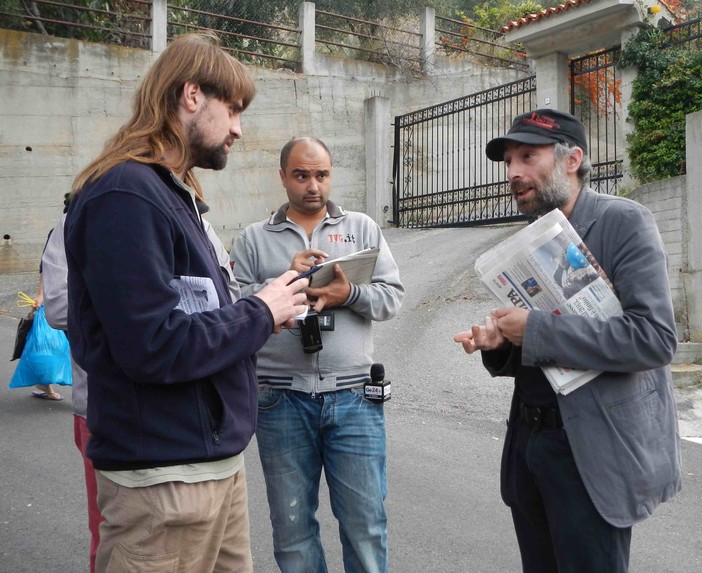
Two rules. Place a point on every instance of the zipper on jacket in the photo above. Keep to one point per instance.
(203, 404)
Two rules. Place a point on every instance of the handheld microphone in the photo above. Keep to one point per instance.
(378, 389)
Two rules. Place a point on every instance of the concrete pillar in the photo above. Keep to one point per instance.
(377, 130)
(159, 23)
(692, 215)
(307, 36)
(625, 127)
(427, 27)
(552, 82)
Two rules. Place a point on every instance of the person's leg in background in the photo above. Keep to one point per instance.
(46, 392)
(81, 435)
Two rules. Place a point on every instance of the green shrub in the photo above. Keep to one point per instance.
(667, 88)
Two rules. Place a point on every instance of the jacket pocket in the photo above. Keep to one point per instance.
(269, 398)
(637, 416)
(121, 561)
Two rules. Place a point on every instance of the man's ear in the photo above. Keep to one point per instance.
(191, 97)
(574, 160)
(282, 176)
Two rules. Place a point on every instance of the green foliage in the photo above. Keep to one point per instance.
(113, 21)
(496, 13)
(667, 88)
(392, 10)
(241, 26)
(373, 9)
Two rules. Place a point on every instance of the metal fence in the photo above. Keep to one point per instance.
(460, 37)
(259, 32)
(264, 32)
(262, 37)
(126, 23)
(441, 176)
(371, 41)
(686, 34)
(595, 98)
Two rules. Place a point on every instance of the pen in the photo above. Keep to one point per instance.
(307, 273)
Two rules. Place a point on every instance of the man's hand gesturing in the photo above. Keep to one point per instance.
(481, 336)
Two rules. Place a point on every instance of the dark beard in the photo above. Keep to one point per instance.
(552, 194)
(204, 156)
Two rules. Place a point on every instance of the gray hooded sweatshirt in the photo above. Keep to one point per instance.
(264, 250)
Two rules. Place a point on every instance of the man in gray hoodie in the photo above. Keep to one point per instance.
(312, 413)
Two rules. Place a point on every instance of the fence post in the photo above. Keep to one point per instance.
(428, 31)
(159, 23)
(377, 134)
(552, 81)
(692, 216)
(307, 36)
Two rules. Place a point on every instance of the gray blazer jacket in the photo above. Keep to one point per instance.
(622, 426)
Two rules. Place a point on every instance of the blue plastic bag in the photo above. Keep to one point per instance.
(46, 358)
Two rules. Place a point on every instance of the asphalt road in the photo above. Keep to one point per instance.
(445, 430)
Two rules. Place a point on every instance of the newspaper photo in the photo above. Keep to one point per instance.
(546, 266)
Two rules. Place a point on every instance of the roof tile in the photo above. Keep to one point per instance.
(675, 7)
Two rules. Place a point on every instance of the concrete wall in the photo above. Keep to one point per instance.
(692, 224)
(63, 98)
(676, 204)
(666, 200)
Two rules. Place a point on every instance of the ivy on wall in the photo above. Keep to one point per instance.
(667, 88)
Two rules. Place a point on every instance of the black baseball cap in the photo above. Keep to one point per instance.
(540, 127)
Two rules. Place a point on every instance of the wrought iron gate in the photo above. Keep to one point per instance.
(595, 98)
(441, 176)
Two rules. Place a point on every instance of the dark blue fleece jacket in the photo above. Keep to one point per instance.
(165, 387)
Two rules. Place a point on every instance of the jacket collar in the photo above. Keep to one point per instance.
(179, 187)
(334, 211)
(583, 215)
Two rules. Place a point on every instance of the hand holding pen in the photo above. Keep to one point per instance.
(305, 262)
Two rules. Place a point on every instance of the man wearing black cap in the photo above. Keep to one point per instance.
(579, 470)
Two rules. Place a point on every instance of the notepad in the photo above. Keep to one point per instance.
(358, 268)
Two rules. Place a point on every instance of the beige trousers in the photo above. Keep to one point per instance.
(175, 527)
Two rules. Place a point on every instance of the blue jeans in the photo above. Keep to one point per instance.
(299, 434)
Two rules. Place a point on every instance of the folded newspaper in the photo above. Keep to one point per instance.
(546, 266)
(197, 294)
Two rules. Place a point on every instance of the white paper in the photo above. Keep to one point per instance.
(358, 268)
(197, 294)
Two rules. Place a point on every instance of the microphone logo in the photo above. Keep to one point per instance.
(378, 389)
